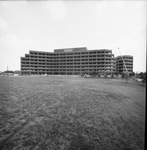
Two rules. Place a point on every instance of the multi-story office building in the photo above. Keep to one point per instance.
(69, 61)
(124, 63)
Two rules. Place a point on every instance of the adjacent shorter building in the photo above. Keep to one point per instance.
(69, 61)
(124, 63)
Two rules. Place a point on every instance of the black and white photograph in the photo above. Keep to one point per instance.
(73, 74)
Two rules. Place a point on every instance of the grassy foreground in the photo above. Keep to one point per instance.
(71, 113)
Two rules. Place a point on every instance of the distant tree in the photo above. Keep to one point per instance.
(132, 74)
(105, 75)
(116, 73)
(141, 74)
(9, 71)
(123, 75)
(93, 73)
(82, 74)
(112, 76)
(144, 77)
(99, 75)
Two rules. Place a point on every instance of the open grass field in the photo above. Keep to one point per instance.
(71, 113)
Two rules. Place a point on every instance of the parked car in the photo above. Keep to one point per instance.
(138, 80)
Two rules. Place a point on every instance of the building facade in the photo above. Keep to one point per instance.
(124, 63)
(69, 61)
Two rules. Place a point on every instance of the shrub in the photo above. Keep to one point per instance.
(105, 75)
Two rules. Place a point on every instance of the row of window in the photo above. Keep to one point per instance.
(69, 64)
(124, 68)
(106, 66)
(70, 53)
(52, 70)
(82, 57)
(121, 62)
(65, 60)
(125, 58)
(124, 64)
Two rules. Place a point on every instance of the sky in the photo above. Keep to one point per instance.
(48, 25)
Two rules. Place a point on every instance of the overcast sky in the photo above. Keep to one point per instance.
(49, 25)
